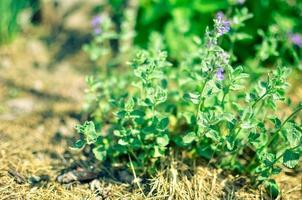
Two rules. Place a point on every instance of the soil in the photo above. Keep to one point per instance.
(42, 93)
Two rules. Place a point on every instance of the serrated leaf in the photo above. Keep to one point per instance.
(160, 95)
(90, 132)
(290, 158)
(293, 135)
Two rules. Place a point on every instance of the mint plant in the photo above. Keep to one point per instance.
(204, 107)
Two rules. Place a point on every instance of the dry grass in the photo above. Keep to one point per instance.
(28, 146)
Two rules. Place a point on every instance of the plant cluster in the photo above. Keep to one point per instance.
(180, 21)
(203, 107)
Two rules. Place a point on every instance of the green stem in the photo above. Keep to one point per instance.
(275, 134)
(258, 100)
(239, 128)
(281, 155)
(153, 112)
(223, 98)
(200, 105)
(237, 133)
(285, 121)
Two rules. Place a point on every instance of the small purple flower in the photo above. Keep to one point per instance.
(220, 74)
(296, 39)
(96, 22)
(97, 31)
(222, 24)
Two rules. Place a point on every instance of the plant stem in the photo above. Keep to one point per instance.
(285, 121)
(275, 134)
(201, 102)
(281, 155)
(238, 131)
(153, 112)
(259, 99)
(223, 98)
(135, 177)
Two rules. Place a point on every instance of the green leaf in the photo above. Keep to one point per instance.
(276, 170)
(163, 124)
(189, 138)
(99, 153)
(230, 142)
(268, 159)
(157, 152)
(293, 135)
(121, 114)
(237, 71)
(148, 102)
(149, 129)
(163, 140)
(89, 132)
(210, 6)
(213, 134)
(243, 36)
(79, 144)
(277, 122)
(290, 158)
(129, 104)
(228, 116)
(192, 97)
(137, 113)
(272, 188)
(253, 137)
(123, 142)
(118, 133)
(160, 95)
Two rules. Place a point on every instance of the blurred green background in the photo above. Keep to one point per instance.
(179, 21)
(10, 11)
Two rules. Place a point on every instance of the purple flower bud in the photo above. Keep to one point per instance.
(296, 39)
(220, 16)
(222, 24)
(96, 21)
(220, 74)
(97, 31)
